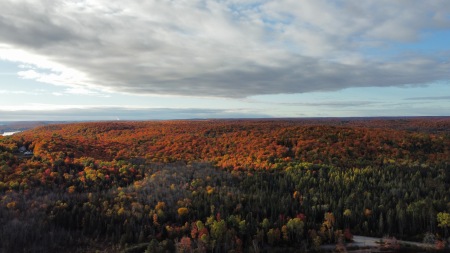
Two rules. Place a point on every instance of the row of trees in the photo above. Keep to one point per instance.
(217, 210)
(69, 197)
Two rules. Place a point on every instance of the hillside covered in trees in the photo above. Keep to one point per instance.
(224, 185)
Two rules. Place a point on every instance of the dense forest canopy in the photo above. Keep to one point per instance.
(223, 185)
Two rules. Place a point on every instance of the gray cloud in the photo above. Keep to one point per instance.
(430, 98)
(225, 49)
(332, 103)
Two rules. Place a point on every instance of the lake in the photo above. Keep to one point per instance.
(10, 133)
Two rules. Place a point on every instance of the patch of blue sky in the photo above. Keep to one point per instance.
(431, 43)
(9, 79)
(244, 6)
(405, 100)
(392, 94)
(285, 19)
(241, 10)
(8, 68)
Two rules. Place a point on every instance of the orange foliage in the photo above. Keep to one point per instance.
(182, 211)
(251, 144)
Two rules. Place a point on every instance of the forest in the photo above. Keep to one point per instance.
(262, 185)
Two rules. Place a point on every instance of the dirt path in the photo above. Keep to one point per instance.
(374, 242)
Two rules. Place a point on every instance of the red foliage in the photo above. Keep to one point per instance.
(348, 235)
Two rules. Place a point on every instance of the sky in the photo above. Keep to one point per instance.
(185, 59)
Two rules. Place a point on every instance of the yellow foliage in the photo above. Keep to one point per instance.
(160, 206)
(209, 189)
(284, 230)
(443, 219)
(11, 205)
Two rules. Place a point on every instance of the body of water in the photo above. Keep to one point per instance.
(10, 133)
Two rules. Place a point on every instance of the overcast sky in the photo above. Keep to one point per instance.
(177, 59)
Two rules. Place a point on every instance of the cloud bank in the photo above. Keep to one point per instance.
(75, 113)
(223, 48)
